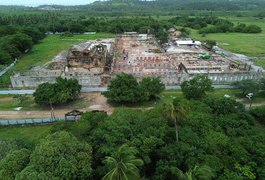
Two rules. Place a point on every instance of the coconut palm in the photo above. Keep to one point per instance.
(197, 173)
(123, 165)
(178, 111)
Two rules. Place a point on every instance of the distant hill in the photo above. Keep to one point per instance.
(160, 7)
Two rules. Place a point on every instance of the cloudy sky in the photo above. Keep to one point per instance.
(40, 2)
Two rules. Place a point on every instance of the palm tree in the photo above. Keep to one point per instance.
(197, 173)
(178, 111)
(123, 164)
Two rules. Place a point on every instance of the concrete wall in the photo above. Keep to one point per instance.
(96, 80)
(30, 82)
(228, 78)
(88, 81)
(33, 81)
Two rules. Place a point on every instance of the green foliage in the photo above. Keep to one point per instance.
(224, 105)
(59, 156)
(198, 172)
(7, 146)
(62, 91)
(145, 131)
(123, 164)
(217, 25)
(5, 57)
(262, 85)
(197, 87)
(67, 34)
(22, 99)
(125, 89)
(259, 113)
(13, 163)
(245, 171)
(153, 87)
(248, 86)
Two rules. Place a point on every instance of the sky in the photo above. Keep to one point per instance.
(41, 2)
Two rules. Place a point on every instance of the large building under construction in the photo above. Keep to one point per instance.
(94, 63)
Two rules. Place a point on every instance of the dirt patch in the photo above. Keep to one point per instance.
(98, 102)
(7, 99)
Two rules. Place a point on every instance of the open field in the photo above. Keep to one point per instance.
(10, 102)
(33, 134)
(46, 50)
(248, 44)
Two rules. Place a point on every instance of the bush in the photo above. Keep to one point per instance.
(224, 105)
(259, 114)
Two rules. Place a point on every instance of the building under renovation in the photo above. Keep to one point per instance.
(94, 63)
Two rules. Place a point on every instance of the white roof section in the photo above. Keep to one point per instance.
(189, 42)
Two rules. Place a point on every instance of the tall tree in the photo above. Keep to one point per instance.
(178, 111)
(152, 86)
(197, 87)
(123, 164)
(63, 91)
(123, 89)
(59, 156)
(248, 86)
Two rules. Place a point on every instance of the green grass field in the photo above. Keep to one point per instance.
(33, 134)
(9, 103)
(248, 44)
(45, 50)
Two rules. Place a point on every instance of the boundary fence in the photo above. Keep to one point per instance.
(30, 121)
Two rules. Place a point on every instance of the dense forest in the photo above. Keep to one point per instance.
(217, 140)
(194, 136)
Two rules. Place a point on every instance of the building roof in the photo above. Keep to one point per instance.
(189, 42)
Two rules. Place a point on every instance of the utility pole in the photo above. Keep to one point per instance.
(52, 112)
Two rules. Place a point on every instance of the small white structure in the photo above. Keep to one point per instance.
(171, 30)
(188, 43)
(144, 37)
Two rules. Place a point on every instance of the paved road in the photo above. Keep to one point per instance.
(102, 89)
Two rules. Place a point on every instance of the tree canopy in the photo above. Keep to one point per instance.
(125, 89)
(59, 156)
(197, 87)
(62, 91)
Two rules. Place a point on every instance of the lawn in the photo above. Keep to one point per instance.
(248, 44)
(10, 102)
(33, 134)
(168, 96)
(45, 50)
